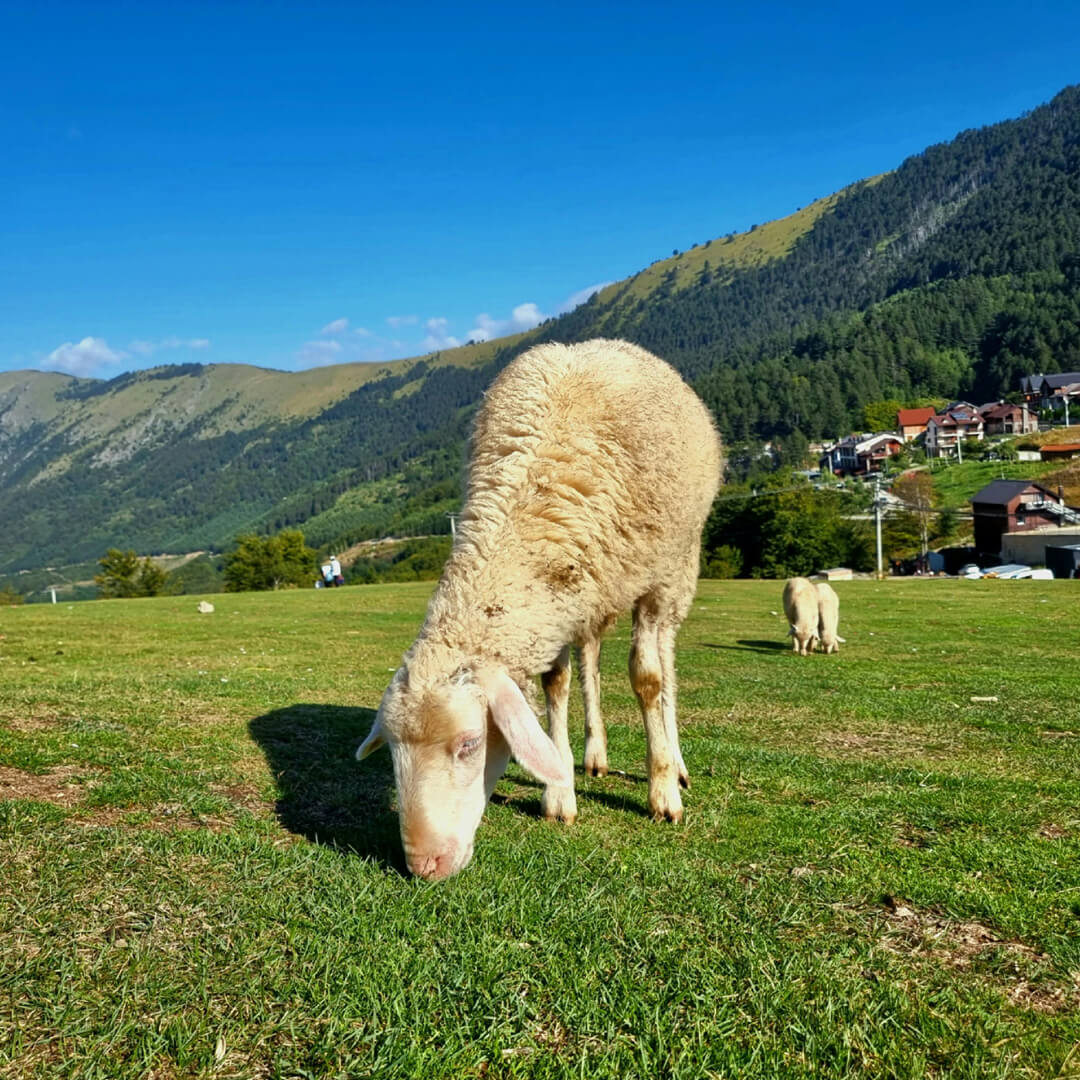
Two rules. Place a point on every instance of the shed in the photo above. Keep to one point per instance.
(1064, 560)
(1060, 451)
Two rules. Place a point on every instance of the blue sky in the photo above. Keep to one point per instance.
(290, 184)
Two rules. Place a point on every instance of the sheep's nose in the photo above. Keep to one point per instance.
(431, 867)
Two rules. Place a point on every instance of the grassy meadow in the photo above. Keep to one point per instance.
(878, 875)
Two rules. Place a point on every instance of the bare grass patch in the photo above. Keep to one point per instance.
(1023, 974)
(164, 818)
(63, 786)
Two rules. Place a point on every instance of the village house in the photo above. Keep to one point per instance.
(958, 422)
(1007, 506)
(911, 423)
(859, 454)
(1052, 391)
(1004, 418)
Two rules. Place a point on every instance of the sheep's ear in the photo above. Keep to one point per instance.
(372, 743)
(515, 719)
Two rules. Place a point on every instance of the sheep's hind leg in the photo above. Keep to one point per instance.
(559, 803)
(646, 676)
(668, 695)
(595, 760)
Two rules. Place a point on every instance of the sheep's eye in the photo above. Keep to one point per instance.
(469, 747)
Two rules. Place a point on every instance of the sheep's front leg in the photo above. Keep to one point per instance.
(559, 803)
(595, 761)
(646, 676)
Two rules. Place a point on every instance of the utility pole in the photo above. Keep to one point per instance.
(453, 524)
(877, 520)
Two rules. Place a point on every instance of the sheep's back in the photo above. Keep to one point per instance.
(598, 453)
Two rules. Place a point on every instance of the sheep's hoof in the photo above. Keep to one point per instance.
(559, 804)
(666, 805)
(595, 761)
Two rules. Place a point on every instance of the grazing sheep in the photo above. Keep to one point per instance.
(801, 609)
(593, 468)
(828, 617)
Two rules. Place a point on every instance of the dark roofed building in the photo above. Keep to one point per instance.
(1014, 506)
(1049, 391)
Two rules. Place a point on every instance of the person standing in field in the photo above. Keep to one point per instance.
(335, 570)
(327, 575)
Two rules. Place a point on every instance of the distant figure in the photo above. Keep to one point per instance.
(335, 570)
(327, 574)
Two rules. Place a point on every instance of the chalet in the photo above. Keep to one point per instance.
(958, 422)
(1003, 418)
(1062, 395)
(911, 423)
(1007, 506)
(858, 454)
(1029, 389)
(1051, 391)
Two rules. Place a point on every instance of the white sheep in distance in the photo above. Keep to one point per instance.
(828, 617)
(592, 470)
(801, 609)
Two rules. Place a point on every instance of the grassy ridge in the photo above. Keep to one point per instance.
(736, 251)
(878, 875)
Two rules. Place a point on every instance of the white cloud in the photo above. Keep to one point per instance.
(485, 329)
(362, 331)
(318, 353)
(402, 320)
(148, 348)
(338, 326)
(83, 359)
(577, 299)
(523, 317)
(437, 336)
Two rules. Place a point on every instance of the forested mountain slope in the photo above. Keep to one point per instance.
(952, 276)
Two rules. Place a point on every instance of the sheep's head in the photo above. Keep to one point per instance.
(451, 739)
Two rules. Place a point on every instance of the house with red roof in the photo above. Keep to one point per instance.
(911, 423)
(958, 422)
(1004, 418)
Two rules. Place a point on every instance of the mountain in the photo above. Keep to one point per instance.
(950, 276)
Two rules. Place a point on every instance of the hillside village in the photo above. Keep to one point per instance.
(1014, 520)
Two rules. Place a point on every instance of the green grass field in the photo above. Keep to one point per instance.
(878, 876)
(956, 484)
